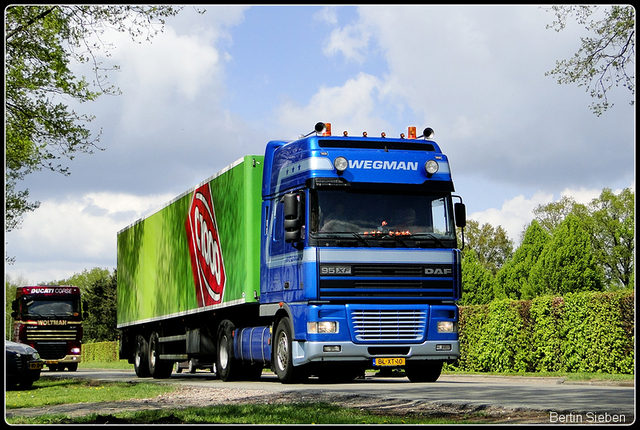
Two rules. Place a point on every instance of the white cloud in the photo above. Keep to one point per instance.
(351, 40)
(476, 74)
(183, 64)
(80, 231)
(328, 14)
(514, 214)
(350, 107)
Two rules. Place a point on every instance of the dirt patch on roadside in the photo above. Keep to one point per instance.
(200, 397)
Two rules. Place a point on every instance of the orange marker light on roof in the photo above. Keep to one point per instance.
(412, 133)
(327, 129)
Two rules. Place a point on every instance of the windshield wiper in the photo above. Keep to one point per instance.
(432, 237)
(345, 237)
(362, 238)
(397, 238)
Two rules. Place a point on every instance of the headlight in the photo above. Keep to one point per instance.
(341, 164)
(322, 327)
(446, 327)
(431, 167)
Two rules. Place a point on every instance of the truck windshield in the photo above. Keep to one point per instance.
(51, 308)
(381, 215)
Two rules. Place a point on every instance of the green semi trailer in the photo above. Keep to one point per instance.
(174, 278)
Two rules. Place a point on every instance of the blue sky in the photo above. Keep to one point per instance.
(214, 87)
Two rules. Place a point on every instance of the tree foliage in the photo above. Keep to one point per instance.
(477, 280)
(612, 227)
(566, 264)
(603, 61)
(513, 280)
(568, 247)
(101, 321)
(491, 245)
(551, 215)
(41, 43)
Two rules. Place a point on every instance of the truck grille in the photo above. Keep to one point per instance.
(388, 325)
(372, 288)
(51, 350)
(42, 334)
(387, 270)
(389, 281)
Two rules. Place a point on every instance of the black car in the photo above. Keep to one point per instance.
(23, 365)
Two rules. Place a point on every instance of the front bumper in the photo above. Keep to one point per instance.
(64, 360)
(314, 352)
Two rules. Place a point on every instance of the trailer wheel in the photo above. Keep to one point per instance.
(158, 368)
(140, 363)
(226, 364)
(423, 371)
(283, 354)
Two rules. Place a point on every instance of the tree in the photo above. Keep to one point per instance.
(551, 215)
(602, 61)
(84, 279)
(567, 264)
(491, 244)
(477, 281)
(611, 226)
(512, 281)
(40, 44)
(101, 321)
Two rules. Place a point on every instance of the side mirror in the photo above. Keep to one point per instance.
(15, 306)
(460, 212)
(293, 217)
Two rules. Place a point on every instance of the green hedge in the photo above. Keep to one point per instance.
(101, 352)
(580, 332)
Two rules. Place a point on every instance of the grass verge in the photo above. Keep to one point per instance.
(50, 392)
(299, 413)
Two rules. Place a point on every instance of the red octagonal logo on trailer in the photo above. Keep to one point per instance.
(204, 246)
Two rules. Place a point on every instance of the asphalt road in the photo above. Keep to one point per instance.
(565, 401)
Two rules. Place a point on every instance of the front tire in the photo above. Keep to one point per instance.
(423, 371)
(283, 354)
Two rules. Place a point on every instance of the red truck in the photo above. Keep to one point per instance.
(49, 318)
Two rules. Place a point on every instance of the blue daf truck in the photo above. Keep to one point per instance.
(326, 256)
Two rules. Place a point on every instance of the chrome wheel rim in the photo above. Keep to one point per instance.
(283, 351)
